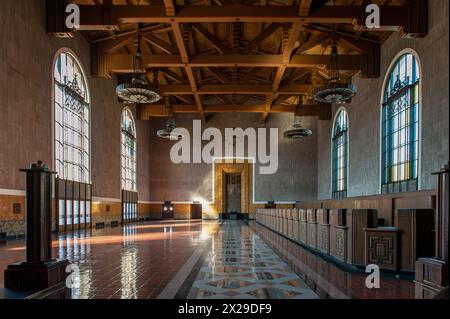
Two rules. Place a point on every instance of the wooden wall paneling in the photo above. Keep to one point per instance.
(312, 227)
(431, 277)
(338, 234)
(286, 222)
(295, 223)
(323, 231)
(385, 204)
(303, 227)
(416, 236)
(382, 247)
(279, 220)
(274, 219)
(357, 221)
(289, 223)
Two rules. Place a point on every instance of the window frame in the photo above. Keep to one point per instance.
(123, 180)
(88, 178)
(336, 194)
(410, 183)
(72, 195)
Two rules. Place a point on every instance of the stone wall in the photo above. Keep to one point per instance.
(295, 179)
(26, 58)
(26, 63)
(364, 113)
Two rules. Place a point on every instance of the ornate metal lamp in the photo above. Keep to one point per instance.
(298, 130)
(167, 132)
(138, 90)
(335, 91)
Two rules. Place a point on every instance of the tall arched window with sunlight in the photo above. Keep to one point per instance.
(129, 182)
(72, 143)
(71, 120)
(400, 126)
(128, 151)
(340, 155)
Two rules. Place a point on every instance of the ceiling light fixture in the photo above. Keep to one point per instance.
(167, 132)
(298, 130)
(335, 91)
(138, 90)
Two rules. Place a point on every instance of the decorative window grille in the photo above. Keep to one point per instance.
(128, 152)
(400, 126)
(340, 155)
(72, 136)
(72, 145)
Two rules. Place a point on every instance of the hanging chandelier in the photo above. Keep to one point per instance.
(138, 90)
(298, 130)
(167, 132)
(335, 91)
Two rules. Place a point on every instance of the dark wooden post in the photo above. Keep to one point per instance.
(39, 271)
(432, 274)
(39, 200)
(442, 213)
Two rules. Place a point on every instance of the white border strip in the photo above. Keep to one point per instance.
(104, 199)
(12, 192)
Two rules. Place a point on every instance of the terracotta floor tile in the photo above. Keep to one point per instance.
(139, 261)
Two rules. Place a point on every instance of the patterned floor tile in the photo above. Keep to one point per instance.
(242, 266)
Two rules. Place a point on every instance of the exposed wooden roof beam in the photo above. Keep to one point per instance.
(410, 19)
(267, 32)
(123, 63)
(304, 7)
(252, 89)
(210, 38)
(323, 111)
(288, 48)
(163, 45)
(170, 9)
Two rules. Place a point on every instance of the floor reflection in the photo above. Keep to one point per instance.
(131, 261)
(326, 278)
(237, 261)
(241, 266)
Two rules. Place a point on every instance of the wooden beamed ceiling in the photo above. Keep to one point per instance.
(254, 56)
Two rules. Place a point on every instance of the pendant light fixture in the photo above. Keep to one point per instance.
(335, 91)
(167, 132)
(138, 90)
(298, 130)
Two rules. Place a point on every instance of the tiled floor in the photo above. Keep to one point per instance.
(194, 259)
(240, 265)
(134, 261)
(329, 280)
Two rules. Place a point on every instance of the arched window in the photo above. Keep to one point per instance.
(72, 136)
(400, 126)
(128, 151)
(340, 155)
(73, 191)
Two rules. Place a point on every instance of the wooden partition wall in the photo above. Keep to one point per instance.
(73, 205)
(352, 232)
(385, 205)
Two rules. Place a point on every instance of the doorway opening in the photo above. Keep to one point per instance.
(233, 188)
(233, 193)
